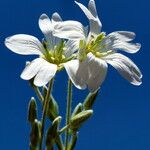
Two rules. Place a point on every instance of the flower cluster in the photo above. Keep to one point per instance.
(84, 53)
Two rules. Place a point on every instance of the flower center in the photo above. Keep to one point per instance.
(56, 56)
(95, 46)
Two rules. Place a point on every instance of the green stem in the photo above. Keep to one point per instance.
(63, 129)
(68, 112)
(38, 93)
(73, 141)
(45, 111)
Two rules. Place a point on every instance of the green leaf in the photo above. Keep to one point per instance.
(32, 110)
(89, 101)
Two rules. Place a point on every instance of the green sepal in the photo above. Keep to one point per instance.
(77, 109)
(32, 110)
(44, 91)
(52, 133)
(35, 135)
(79, 119)
(31, 82)
(89, 101)
(53, 109)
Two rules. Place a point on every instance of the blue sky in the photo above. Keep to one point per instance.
(121, 119)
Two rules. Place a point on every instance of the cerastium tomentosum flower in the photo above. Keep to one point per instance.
(85, 54)
(96, 50)
(53, 52)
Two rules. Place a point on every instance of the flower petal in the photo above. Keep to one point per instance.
(32, 69)
(127, 47)
(24, 44)
(56, 18)
(45, 74)
(91, 72)
(45, 24)
(77, 71)
(88, 14)
(69, 30)
(97, 69)
(123, 35)
(125, 67)
(119, 41)
(92, 8)
(71, 47)
(91, 13)
(46, 27)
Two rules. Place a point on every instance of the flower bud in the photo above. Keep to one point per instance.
(35, 135)
(53, 110)
(52, 132)
(79, 119)
(32, 110)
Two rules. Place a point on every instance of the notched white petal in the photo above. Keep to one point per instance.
(125, 67)
(85, 10)
(116, 41)
(47, 27)
(123, 35)
(24, 44)
(45, 24)
(71, 47)
(77, 72)
(97, 70)
(56, 18)
(45, 74)
(89, 73)
(127, 47)
(92, 8)
(41, 70)
(69, 30)
(91, 13)
(32, 69)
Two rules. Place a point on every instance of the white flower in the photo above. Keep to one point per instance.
(96, 50)
(53, 52)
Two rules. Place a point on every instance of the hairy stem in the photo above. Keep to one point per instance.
(45, 110)
(68, 112)
(73, 141)
(38, 93)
